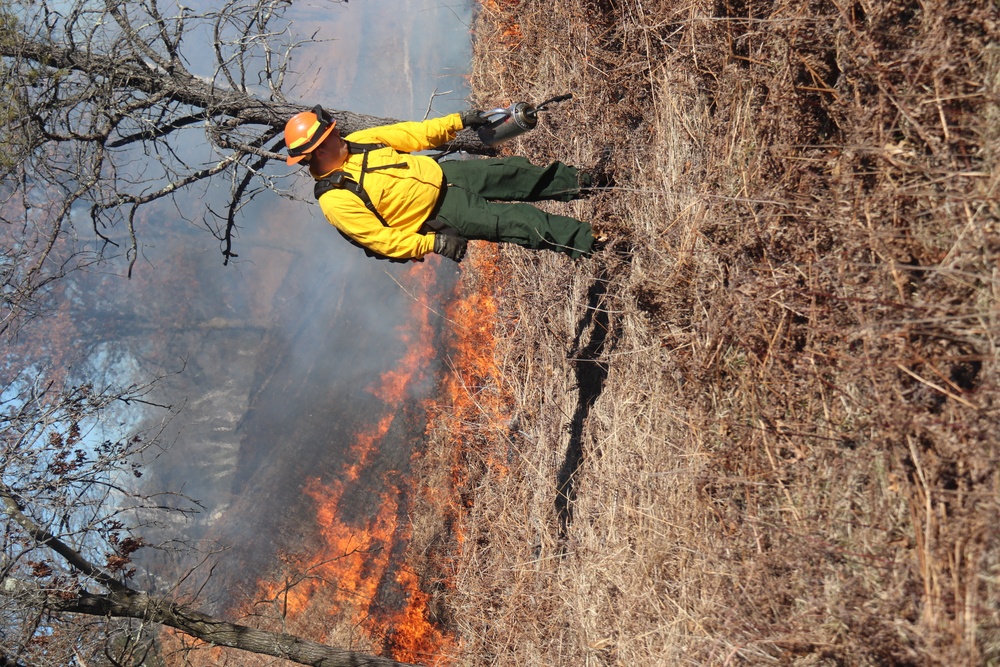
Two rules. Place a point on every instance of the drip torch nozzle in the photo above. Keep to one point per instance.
(515, 120)
(557, 98)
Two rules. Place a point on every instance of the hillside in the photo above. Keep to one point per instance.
(761, 429)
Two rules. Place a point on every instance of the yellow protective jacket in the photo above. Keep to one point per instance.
(403, 195)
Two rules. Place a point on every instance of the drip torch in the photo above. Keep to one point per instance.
(513, 121)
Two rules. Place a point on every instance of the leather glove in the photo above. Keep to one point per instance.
(452, 247)
(473, 118)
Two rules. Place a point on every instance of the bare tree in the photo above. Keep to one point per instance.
(110, 106)
(74, 517)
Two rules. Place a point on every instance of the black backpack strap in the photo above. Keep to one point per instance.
(354, 147)
(340, 180)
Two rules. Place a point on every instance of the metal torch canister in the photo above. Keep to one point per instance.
(507, 123)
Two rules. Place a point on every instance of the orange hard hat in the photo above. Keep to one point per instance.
(305, 131)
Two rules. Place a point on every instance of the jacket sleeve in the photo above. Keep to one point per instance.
(348, 214)
(408, 137)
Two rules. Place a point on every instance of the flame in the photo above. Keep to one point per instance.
(503, 13)
(352, 588)
(470, 395)
(357, 565)
(354, 579)
(512, 36)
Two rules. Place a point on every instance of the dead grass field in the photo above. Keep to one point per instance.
(771, 412)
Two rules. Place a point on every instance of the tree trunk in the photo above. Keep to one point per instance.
(201, 93)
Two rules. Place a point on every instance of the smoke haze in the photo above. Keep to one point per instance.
(282, 351)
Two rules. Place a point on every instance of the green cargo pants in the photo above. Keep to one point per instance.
(475, 203)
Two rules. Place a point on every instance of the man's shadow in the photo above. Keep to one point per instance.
(591, 372)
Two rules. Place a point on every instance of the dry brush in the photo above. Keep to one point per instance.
(787, 360)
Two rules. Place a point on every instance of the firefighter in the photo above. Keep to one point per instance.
(400, 206)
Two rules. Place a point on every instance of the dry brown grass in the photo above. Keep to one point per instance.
(783, 382)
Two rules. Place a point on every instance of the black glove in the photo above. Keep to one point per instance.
(452, 247)
(473, 118)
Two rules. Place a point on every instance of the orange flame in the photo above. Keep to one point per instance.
(340, 585)
(503, 14)
(470, 394)
(343, 580)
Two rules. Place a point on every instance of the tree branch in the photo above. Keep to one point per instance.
(117, 10)
(159, 131)
(138, 605)
(44, 538)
